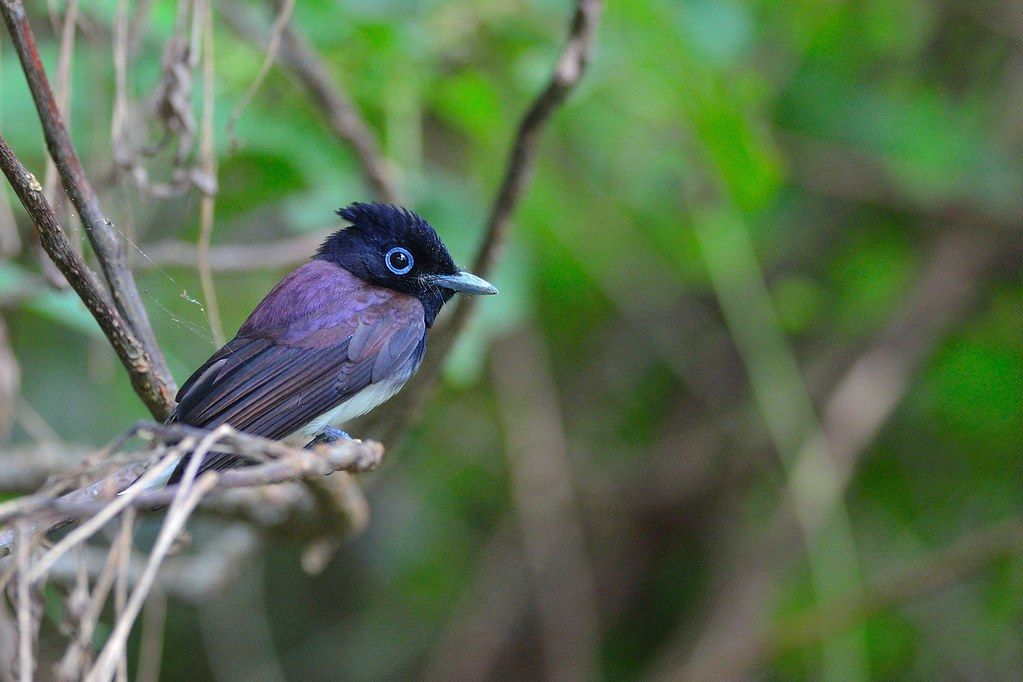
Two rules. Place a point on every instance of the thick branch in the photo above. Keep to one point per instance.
(335, 106)
(99, 229)
(568, 71)
(155, 390)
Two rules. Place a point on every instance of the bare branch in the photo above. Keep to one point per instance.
(148, 378)
(272, 47)
(99, 229)
(100, 501)
(67, 47)
(26, 664)
(114, 497)
(154, 621)
(104, 573)
(298, 465)
(391, 419)
(313, 74)
(178, 515)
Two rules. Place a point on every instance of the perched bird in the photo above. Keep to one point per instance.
(335, 338)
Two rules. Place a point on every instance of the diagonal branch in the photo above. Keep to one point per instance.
(345, 120)
(99, 229)
(575, 56)
(155, 390)
(522, 161)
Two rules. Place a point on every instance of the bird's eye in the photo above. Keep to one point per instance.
(398, 260)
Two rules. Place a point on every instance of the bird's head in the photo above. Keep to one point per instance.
(392, 247)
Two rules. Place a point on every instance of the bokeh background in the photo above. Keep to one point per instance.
(750, 401)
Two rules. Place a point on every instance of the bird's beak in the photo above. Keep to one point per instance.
(464, 283)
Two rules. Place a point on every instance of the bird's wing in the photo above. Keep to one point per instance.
(301, 353)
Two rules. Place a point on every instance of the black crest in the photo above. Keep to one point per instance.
(379, 236)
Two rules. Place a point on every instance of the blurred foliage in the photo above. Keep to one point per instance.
(843, 139)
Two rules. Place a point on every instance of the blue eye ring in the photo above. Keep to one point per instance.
(398, 260)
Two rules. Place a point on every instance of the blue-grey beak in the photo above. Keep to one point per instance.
(464, 283)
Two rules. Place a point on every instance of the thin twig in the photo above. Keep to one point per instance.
(71, 665)
(155, 389)
(176, 519)
(192, 577)
(25, 662)
(121, 594)
(390, 420)
(344, 118)
(209, 169)
(108, 512)
(299, 465)
(154, 617)
(10, 385)
(94, 501)
(273, 45)
(100, 230)
(10, 239)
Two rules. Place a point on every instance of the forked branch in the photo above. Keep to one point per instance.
(143, 368)
(101, 233)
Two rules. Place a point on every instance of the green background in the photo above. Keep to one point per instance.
(741, 201)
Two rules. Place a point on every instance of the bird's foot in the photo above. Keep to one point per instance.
(327, 436)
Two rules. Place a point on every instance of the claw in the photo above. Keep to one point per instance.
(327, 436)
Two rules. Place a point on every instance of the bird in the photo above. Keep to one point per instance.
(335, 338)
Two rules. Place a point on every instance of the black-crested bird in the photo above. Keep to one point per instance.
(336, 337)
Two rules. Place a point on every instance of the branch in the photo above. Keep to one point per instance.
(125, 297)
(313, 74)
(297, 465)
(281, 463)
(154, 388)
(569, 69)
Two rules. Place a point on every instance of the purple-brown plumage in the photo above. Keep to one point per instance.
(337, 336)
(319, 301)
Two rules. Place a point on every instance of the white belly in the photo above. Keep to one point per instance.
(356, 406)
